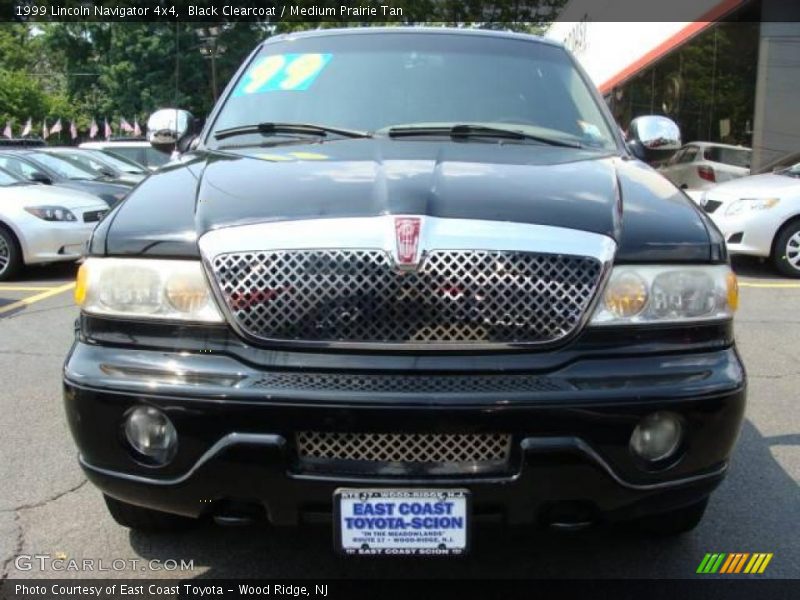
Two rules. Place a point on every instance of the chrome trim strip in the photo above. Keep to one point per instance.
(529, 444)
(360, 233)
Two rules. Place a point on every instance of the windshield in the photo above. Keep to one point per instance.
(82, 161)
(371, 82)
(729, 156)
(7, 178)
(62, 167)
(792, 171)
(118, 163)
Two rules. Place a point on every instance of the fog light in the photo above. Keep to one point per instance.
(656, 437)
(150, 432)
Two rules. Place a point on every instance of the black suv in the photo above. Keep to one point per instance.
(407, 279)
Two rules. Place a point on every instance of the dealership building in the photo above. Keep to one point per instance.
(729, 72)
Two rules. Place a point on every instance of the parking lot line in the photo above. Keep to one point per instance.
(769, 285)
(24, 288)
(37, 297)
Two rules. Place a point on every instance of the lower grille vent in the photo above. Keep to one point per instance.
(400, 453)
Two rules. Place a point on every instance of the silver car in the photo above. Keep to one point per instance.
(43, 224)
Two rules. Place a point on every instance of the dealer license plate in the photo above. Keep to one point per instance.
(401, 521)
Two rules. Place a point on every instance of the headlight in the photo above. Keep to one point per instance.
(748, 204)
(663, 294)
(51, 213)
(146, 288)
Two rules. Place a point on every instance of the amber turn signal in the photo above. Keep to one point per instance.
(80, 285)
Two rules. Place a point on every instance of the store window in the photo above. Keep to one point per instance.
(707, 86)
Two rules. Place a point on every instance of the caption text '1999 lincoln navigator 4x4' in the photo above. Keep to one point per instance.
(407, 279)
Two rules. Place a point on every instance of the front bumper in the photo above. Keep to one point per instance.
(52, 242)
(570, 428)
(755, 231)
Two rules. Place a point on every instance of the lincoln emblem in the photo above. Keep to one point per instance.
(407, 234)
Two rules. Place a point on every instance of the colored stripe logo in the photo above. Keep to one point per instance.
(734, 562)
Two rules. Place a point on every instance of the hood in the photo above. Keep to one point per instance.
(111, 193)
(36, 195)
(470, 180)
(756, 186)
(524, 183)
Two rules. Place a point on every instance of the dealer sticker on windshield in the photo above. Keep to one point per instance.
(401, 521)
(281, 72)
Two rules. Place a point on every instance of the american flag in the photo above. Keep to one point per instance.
(27, 129)
(125, 126)
(137, 131)
(93, 129)
(73, 130)
(57, 128)
(7, 131)
(107, 129)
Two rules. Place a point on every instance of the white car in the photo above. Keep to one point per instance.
(760, 216)
(701, 165)
(138, 151)
(43, 224)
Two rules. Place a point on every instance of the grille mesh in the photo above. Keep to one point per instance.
(93, 216)
(470, 296)
(423, 448)
(410, 384)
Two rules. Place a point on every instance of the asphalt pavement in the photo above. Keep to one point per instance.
(47, 507)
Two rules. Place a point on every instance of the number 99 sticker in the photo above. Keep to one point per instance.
(282, 72)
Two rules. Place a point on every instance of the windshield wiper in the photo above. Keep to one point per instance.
(467, 131)
(303, 128)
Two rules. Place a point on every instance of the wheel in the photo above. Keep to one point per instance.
(10, 254)
(786, 256)
(145, 519)
(674, 522)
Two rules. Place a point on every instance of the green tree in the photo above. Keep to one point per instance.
(85, 70)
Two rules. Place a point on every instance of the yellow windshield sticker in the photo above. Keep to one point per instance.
(274, 157)
(282, 72)
(309, 156)
(292, 156)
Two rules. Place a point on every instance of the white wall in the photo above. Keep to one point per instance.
(605, 49)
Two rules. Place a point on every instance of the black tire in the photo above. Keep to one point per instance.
(10, 254)
(787, 246)
(146, 519)
(674, 522)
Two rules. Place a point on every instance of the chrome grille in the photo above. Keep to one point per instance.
(455, 449)
(463, 296)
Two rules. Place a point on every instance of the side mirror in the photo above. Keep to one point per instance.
(169, 129)
(39, 177)
(653, 138)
